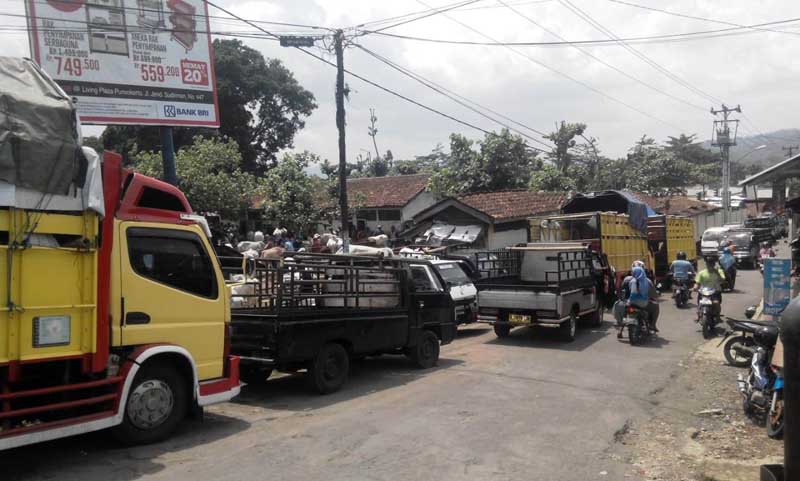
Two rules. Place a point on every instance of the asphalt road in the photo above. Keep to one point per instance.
(525, 407)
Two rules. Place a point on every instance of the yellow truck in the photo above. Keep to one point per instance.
(668, 235)
(116, 322)
(607, 233)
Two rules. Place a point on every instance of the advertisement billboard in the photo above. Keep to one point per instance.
(777, 285)
(138, 62)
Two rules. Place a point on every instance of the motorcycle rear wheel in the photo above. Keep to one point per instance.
(634, 334)
(733, 357)
(775, 421)
(708, 330)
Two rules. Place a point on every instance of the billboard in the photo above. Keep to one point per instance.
(129, 61)
(777, 285)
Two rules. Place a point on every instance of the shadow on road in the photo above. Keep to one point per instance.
(39, 461)
(291, 392)
(472, 331)
(549, 338)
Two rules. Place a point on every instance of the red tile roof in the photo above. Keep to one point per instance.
(507, 205)
(394, 191)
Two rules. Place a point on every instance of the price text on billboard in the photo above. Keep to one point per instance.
(129, 61)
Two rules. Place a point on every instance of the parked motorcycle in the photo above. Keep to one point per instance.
(637, 322)
(680, 291)
(762, 388)
(739, 349)
(708, 310)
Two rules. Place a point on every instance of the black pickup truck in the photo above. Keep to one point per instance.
(319, 311)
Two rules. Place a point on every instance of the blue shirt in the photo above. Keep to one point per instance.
(681, 269)
(289, 245)
(727, 260)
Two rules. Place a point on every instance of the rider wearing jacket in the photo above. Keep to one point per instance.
(643, 294)
(728, 264)
(712, 276)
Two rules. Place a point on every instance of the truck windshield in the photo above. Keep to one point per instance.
(453, 274)
(712, 236)
(740, 240)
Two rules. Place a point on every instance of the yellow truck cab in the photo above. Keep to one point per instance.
(119, 321)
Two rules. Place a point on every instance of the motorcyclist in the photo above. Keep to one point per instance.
(643, 294)
(728, 264)
(766, 251)
(712, 276)
(681, 269)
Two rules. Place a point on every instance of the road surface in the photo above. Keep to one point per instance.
(525, 407)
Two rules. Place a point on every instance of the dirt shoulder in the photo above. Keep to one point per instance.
(697, 430)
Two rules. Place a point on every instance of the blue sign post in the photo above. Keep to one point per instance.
(777, 285)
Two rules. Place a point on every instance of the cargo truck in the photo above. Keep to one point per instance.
(667, 235)
(116, 322)
(319, 311)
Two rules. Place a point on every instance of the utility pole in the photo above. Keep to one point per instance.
(724, 137)
(790, 149)
(338, 39)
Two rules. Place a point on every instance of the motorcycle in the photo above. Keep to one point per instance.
(739, 349)
(636, 321)
(762, 388)
(708, 310)
(680, 291)
(795, 247)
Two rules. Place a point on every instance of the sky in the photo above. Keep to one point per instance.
(754, 69)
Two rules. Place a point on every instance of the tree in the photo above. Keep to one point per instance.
(654, 170)
(290, 195)
(261, 107)
(209, 174)
(706, 167)
(562, 154)
(503, 161)
(421, 163)
(550, 179)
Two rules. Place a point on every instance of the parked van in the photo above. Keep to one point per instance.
(709, 243)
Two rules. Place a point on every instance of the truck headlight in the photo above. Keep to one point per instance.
(51, 331)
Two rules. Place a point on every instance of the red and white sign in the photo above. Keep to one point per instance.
(129, 61)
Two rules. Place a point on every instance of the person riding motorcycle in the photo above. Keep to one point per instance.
(728, 264)
(712, 276)
(681, 269)
(766, 251)
(643, 294)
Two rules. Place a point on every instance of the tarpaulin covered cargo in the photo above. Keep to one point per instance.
(39, 132)
(612, 201)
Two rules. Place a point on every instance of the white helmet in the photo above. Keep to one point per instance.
(637, 264)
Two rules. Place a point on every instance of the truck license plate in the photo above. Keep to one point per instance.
(519, 319)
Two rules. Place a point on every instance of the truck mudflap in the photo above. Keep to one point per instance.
(220, 390)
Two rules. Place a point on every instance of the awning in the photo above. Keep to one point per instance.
(444, 234)
(788, 168)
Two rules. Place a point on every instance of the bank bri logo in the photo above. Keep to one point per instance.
(170, 111)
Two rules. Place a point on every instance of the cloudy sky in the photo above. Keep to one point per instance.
(754, 68)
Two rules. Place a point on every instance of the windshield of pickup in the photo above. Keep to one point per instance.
(713, 236)
(453, 274)
(740, 240)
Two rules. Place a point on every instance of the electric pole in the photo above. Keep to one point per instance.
(345, 232)
(790, 150)
(724, 138)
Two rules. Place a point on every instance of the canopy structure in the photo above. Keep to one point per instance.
(611, 201)
(778, 172)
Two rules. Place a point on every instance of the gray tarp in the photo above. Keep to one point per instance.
(39, 134)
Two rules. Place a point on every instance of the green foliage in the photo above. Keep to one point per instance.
(502, 161)
(654, 170)
(209, 174)
(563, 154)
(261, 107)
(290, 195)
(550, 179)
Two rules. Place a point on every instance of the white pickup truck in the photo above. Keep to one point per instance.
(552, 285)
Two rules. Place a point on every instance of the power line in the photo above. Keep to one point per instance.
(459, 99)
(370, 82)
(598, 59)
(588, 19)
(410, 14)
(562, 74)
(652, 39)
(683, 15)
(429, 14)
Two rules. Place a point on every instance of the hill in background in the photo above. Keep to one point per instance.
(772, 154)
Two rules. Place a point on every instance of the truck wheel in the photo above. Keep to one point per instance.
(426, 353)
(596, 317)
(157, 402)
(328, 372)
(569, 327)
(502, 330)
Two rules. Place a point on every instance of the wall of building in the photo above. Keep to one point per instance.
(420, 202)
(714, 219)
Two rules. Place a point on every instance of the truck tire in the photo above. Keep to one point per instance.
(596, 317)
(502, 330)
(568, 328)
(157, 402)
(329, 369)
(426, 353)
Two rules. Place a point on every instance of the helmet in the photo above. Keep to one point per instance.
(765, 244)
(681, 256)
(637, 264)
(711, 261)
